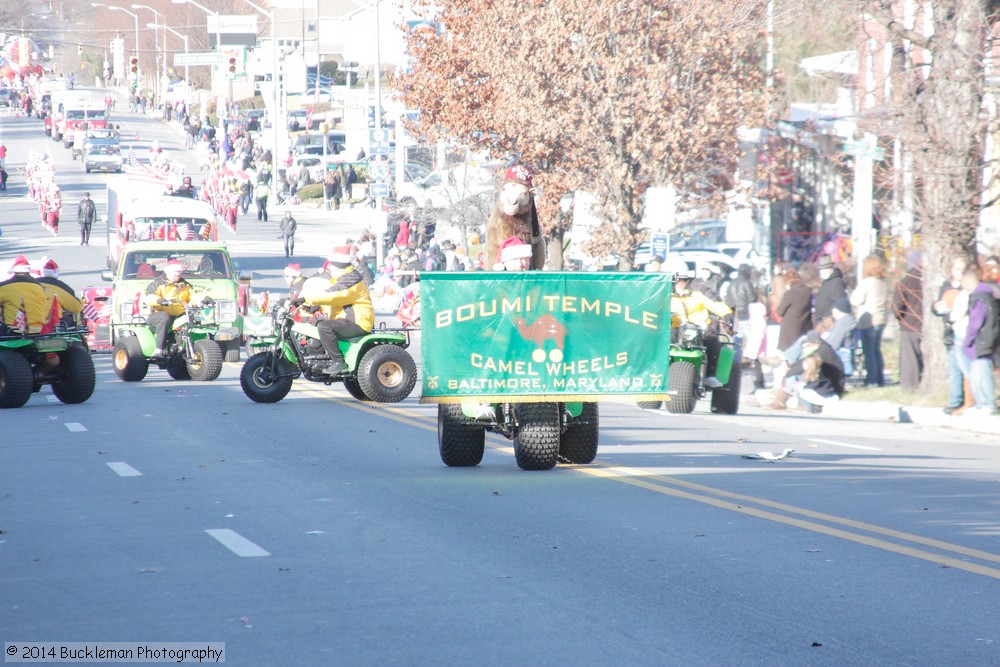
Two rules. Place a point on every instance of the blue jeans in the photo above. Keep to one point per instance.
(980, 374)
(871, 346)
(956, 388)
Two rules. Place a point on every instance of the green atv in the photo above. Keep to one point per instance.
(688, 374)
(60, 359)
(378, 366)
(192, 352)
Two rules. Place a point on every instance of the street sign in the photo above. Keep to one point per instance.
(378, 189)
(378, 142)
(378, 172)
(864, 149)
(198, 58)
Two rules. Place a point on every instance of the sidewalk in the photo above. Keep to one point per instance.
(885, 411)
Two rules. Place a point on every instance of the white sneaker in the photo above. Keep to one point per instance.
(978, 411)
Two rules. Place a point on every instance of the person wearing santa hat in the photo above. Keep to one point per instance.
(166, 297)
(514, 255)
(294, 279)
(70, 305)
(23, 301)
(351, 313)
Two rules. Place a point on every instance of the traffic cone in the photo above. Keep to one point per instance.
(137, 136)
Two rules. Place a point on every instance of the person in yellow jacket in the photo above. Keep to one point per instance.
(687, 305)
(24, 302)
(166, 297)
(347, 302)
(68, 303)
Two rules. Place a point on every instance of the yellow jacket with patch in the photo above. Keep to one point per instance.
(63, 293)
(161, 288)
(347, 296)
(37, 302)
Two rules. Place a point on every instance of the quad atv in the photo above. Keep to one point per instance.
(60, 359)
(689, 371)
(192, 351)
(542, 433)
(378, 366)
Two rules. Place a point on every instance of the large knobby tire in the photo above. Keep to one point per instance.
(387, 373)
(16, 381)
(231, 350)
(206, 364)
(353, 388)
(259, 388)
(578, 444)
(76, 376)
(536, 444)
(726, 399)
(649, 405)
(177, 369)
(683, 382)
(461, 441)
(129, 362)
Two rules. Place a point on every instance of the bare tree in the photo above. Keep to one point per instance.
(937, 112)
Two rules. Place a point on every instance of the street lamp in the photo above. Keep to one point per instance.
(275, 77)
(218, 33)
(160, 22)
(187, 68)
(135, 17)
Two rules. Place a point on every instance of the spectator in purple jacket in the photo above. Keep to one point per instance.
(979, 343)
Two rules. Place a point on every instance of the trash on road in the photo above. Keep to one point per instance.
(769, 456)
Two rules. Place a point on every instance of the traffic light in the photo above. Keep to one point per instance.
(232, 66)
(133, 65)
(79, 49)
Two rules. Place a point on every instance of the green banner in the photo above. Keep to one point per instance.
(544, 336)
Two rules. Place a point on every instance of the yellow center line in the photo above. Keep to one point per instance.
(727, 500)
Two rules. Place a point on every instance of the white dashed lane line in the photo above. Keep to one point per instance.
(844, 444)
(123, 469)
(236, 543)
(75, 426)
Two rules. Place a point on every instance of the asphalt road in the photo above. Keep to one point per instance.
(324, 531)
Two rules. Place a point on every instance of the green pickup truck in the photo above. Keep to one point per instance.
(207, 266)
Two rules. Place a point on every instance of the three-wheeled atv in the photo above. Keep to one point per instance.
(59, 359)
(192, 352)
(378, 366)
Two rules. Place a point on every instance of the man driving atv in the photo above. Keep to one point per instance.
(687, 305)
(166, 297)
(24, 302)
(347, 302)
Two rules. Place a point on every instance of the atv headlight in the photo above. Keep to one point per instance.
(689, 333)
(225, 310)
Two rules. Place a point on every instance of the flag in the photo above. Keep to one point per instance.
(54, 314)
(186, 232)
(21, 319)
(133, 161)
(89, 311)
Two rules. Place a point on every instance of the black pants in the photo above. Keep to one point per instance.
(160, 323)
(289, 245)
(261, 209)
(330, 331)
(712, 348)
(911, 360)
(85, 233)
